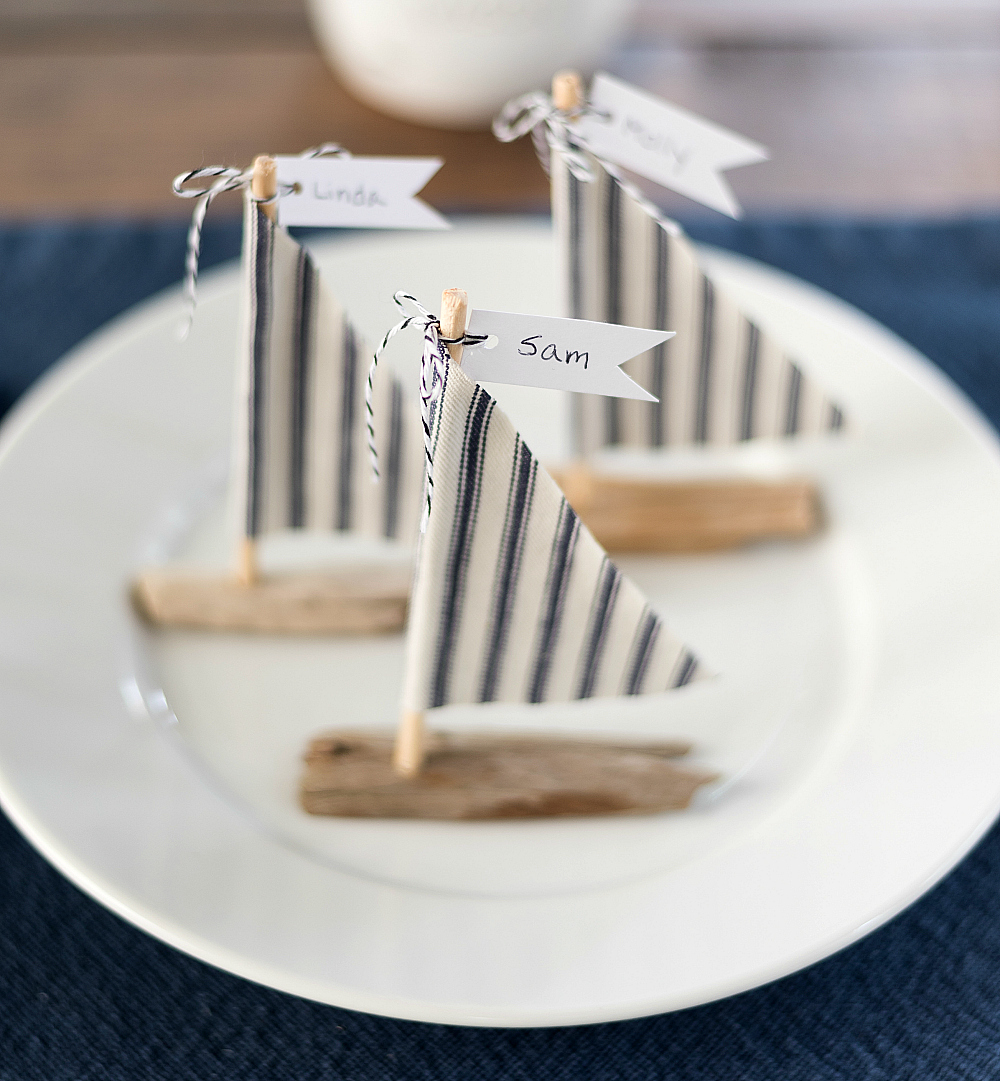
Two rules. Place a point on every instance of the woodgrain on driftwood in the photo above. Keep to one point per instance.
(359, 601)
(489, 776)
(627, 515)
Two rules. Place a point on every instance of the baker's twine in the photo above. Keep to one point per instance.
(224, 178)
(550, 127)
(433, 369)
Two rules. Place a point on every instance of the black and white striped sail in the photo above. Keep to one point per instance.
(721, 379)
(301, 457)
(514, 600)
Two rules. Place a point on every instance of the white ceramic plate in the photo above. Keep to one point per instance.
(854, 720)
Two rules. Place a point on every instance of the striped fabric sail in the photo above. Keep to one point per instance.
(721, 379)
(514, 600)
(301, 453)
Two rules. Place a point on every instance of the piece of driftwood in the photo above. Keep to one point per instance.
(490, 776)
(358, 601)
(627, 515)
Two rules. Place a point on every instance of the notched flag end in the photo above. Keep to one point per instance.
(433, 219)
(626, 387)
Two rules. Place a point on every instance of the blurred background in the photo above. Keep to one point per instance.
(868, 106)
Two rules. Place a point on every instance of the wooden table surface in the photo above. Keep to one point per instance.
(104, 132)
(98, 124)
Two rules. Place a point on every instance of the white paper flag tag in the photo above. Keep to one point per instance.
(558, 354)
(665, 143)
(366, 193)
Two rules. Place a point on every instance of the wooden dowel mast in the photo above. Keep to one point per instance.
(247, 570)
(567, 91)
(264, 185)
(411, 737)
(454, 316)
(410, 747)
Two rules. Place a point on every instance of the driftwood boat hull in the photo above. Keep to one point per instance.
(354, 602)
(690, 516)
(489, 776)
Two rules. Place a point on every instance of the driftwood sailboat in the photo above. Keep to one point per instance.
(513, 601)
(300, 455)
(722, 380)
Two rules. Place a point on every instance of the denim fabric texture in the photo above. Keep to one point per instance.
(84, 995)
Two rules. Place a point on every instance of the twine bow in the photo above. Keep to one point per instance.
(224, 178)
(549, 127)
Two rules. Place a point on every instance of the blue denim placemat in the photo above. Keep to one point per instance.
(85, 996)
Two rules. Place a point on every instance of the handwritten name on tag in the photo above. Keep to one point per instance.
(557, 354)
(665, 143)
(364, 193)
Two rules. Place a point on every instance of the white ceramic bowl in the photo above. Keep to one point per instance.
(454, 63)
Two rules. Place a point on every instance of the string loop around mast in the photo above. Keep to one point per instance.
(223, 178)
(433, 368)
(536, 112)
(553, 128)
